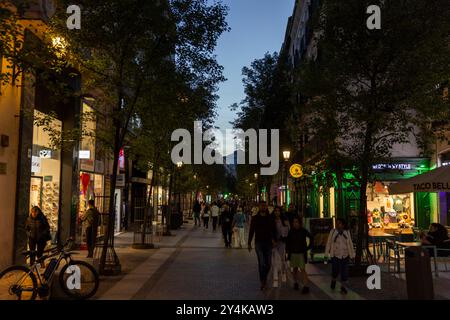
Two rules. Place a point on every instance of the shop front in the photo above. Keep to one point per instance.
(91, 175)
(444, 197)
(390, 211)
(397, 211)
(45, 182)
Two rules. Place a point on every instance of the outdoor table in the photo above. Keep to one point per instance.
(419, 244)
(378, 238)
(409, 244)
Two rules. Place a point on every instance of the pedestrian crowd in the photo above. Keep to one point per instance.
(281, 242)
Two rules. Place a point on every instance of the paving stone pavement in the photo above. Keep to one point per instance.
(194, 265)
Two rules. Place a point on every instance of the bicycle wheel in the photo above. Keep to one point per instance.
(79, 280)
(18, 283)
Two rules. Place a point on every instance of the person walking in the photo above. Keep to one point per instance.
(215, 212)
(297, 250)
(239, 221)
(262, 227)
(340, 248)
(226, 219)
(197, 208)
(205, 216)
(38, 231)
(279, 249)
(90, 220)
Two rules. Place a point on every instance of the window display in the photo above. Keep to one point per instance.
(46, 171)
(389, 211)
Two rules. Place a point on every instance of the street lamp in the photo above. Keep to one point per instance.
(286, 156)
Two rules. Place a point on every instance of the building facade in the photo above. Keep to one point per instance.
(327, 193)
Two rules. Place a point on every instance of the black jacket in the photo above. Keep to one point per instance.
(296, 241)
(38, 228)
(226, 219)
(263, 228)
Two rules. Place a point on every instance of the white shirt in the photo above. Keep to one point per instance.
(339, 246)
(215, 211)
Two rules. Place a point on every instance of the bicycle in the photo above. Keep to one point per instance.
(78, 279)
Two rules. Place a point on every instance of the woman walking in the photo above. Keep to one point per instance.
(239, 221)
(279, 249)
(340, 249)
(205, 215)
(38, 230)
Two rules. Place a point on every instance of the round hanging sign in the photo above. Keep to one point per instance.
(296, 171)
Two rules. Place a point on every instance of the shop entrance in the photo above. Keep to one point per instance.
(45, 181)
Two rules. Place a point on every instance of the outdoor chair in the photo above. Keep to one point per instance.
(393, 255)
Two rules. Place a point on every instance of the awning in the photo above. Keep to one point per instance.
(437, 180)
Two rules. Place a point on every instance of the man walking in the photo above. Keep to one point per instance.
(227, 221)
(262, 226)
(196, 209)
(90, 219)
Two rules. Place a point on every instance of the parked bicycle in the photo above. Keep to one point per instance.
(78, 279)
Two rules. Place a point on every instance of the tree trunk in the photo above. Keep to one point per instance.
(147, 206)
(340, 202)
(111, 210)
(364, 176)
(169, 207)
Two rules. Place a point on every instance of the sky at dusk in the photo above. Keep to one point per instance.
(257, 27)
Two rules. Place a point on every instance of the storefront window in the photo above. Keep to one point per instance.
(87, 145)
(389, 211)
(46, 171)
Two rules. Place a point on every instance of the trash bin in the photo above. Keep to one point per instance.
(419, 279)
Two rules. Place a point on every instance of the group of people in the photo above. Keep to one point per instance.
(280, 237)
(39, 233)
(228, 215)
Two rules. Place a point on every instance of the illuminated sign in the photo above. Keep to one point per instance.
(45, 154)
(121, 160)
(85, 154)
(392, 166)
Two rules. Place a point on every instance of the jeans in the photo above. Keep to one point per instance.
(241, 237)
(205, 222)
(197, 218)
(264, 254)
(227, 233)
(340, 266)
(214, 222)
(32, 243)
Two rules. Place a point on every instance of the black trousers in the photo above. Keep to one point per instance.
(90, 240)
(214, 222)
(37, 249)
(227, 233)
(205, 222)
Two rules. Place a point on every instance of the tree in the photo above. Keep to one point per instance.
(267, 105)
(125, 47)
(367, 87)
